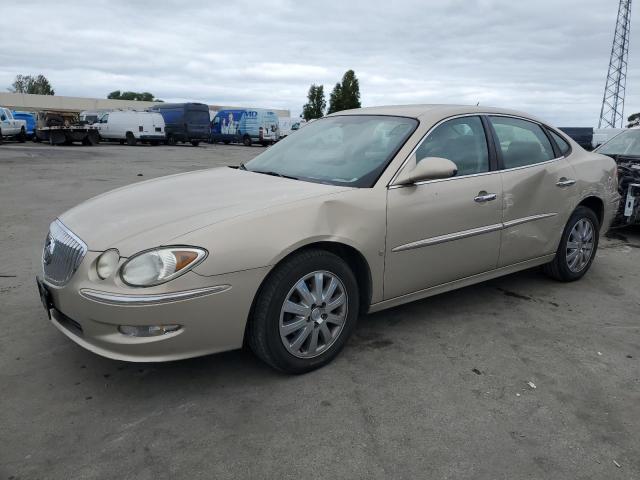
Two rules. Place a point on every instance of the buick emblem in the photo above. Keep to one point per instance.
(47, 253)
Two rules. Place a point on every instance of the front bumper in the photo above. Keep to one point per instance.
(212, 313)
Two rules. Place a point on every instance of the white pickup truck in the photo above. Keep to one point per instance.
(12, 127)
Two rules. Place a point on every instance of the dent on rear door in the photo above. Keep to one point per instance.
(536, 210)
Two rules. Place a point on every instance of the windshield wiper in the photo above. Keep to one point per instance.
(275, 174)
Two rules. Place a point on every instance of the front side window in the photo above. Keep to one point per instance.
(522, 142)
(350, 150)
(461, 140)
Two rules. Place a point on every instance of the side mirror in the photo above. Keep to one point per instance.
(429, 168)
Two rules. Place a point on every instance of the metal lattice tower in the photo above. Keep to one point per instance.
(612, 112)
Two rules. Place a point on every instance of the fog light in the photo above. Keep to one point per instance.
(147, 330)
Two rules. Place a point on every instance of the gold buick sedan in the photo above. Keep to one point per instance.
(357, 212)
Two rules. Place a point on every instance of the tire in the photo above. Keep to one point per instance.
(268, 316)
(121, 142)
(131, 140)
(569, 263)
(154, 143)
(1, 138)
(246, 141)
(94, 138)
(171, 140)
(195, 143)
(22, 136)
(227, 142)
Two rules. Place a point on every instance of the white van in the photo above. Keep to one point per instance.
(284, 124)
(132, 127)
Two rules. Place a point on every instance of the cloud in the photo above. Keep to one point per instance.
(545, 57)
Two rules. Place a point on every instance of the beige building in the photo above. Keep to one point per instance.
(27, 102)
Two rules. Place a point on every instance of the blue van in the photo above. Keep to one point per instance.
(30, 118)
(185, 122)
(246, 126)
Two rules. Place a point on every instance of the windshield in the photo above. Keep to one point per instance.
(626, 143)
(350, 150)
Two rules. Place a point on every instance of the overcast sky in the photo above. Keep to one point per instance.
(547, 57)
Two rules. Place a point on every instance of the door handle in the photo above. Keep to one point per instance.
(565, 182)
(485, 197)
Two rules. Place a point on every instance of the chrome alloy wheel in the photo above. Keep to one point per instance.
(580, 245)
(313, 314)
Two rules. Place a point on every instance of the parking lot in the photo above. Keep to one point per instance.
(520, 377)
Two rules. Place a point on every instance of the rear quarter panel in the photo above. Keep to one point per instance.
(595, 177)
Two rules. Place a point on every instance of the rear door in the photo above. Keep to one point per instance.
(539, 192)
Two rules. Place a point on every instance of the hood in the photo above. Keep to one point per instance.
(152, 213)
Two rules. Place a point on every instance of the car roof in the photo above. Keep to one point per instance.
(431, 111)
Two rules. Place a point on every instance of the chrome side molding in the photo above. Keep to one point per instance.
(470, 233)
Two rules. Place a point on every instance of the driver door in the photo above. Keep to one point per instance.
(443, 230)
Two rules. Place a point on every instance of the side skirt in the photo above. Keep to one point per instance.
(463, 282)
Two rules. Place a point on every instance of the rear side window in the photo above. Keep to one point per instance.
(522, 142)
(561, 142)
(461, 140)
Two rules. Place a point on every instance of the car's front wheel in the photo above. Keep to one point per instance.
(577, 248)
(305, 312)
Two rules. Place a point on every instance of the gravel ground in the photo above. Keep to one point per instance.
(517, 378)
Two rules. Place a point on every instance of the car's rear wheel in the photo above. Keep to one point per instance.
(171, 140)
(577, 248)
(305, 312)
(246, 141)
(195, 143)
(131, 140)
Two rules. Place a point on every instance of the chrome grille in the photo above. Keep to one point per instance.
(63, 251)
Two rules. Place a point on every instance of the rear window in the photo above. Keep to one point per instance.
(198, 116)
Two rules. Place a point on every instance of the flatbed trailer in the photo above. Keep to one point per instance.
(68, 134)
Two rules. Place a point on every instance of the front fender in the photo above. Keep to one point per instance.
(356, 218)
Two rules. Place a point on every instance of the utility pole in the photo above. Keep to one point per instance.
(612, 111)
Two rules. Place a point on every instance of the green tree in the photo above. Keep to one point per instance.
(345, 95)
(335, 99)
(34, 84)
(633, 120)
(140, 97)
(350, 91)
(314, 108)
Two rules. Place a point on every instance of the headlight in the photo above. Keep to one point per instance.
(160, 265)
(107, 263)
